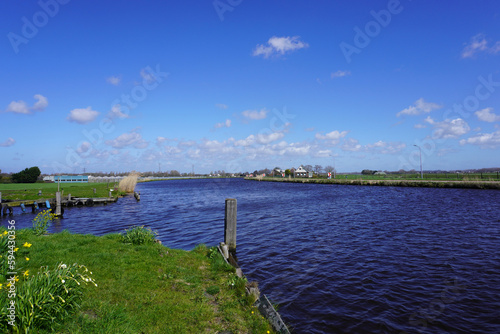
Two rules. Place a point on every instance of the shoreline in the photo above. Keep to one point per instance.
(492, 185)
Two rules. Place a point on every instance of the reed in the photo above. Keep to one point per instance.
(128, 183)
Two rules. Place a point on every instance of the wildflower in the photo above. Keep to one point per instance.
(5, 233)
(27, 258)
(16, 278)
(1, 286)
(27, 244)
(26, 273)
(16, 249)
(62, 265)
(63, 281)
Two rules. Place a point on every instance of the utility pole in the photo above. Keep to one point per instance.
(421, 170)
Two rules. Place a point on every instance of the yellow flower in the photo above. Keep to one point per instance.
(27, 244)
(26, 273)
(27, 258)
(5, 233)
(8, 285)
(16, 278)
(1, 286)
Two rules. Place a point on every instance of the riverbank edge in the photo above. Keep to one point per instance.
(114, 239)
(492, 185)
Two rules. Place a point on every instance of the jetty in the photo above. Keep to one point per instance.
(7, 206)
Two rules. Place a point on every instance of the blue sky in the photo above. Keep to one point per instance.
(239, 85)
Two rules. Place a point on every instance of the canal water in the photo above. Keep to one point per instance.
(335, 258)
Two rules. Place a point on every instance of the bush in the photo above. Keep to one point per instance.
(138, 235)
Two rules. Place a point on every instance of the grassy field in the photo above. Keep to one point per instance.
(143, 288)
(374, 180)
(29, 191)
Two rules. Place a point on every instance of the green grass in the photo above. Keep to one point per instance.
(144, 288)
(390, 180)
(29, 191)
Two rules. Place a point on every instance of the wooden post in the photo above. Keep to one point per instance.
(230, 224)
(0, 198)
(58, 204)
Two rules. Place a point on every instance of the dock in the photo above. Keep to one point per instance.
(7, 207)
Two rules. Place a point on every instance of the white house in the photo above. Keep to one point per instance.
(301, 172)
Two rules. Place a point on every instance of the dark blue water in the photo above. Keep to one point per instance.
(337, 259)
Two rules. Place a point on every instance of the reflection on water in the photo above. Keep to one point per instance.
(337, 259)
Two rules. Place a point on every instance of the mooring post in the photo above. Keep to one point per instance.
(230, 224)
(58, 204)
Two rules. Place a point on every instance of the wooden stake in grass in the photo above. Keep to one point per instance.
(128, 183)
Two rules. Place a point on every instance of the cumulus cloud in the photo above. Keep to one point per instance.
(333, 137)
(82, 116)
(487, 115)
(128, 139)
(41, 103)
(419, 107)
(84, 148)
(255, 114)
(114, 80)
(477, 44)
(379, 147)
(9, 142)
(21, 107)
(340, 74)
(278, 46)
(448, 128)
(484, 140)
(225, 124)
(116, 112)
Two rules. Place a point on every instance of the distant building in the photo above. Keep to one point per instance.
(71, 178)
(301, 172)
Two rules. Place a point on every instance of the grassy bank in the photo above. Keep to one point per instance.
(476, 184)
(145, 288)
(29, 191)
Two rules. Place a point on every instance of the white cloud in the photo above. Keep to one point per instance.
(20, 107)
(82, 116)
(41, 103)
(116, 112)
(279, 46)
(84, 148)
(333, 137)
(484, 140)
(448, 128)
(221, 106)
(419, 126)
(9, 142)
(351, 145)
(128, 139)
(419, 107)
(340, 74)
(379, 147)
(262, 138)
(255, 114)
(487, 115)
(478, 44)
(225, 124)
(114, 80)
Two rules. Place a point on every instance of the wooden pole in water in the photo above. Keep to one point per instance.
(58, 204)
(230, 224)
